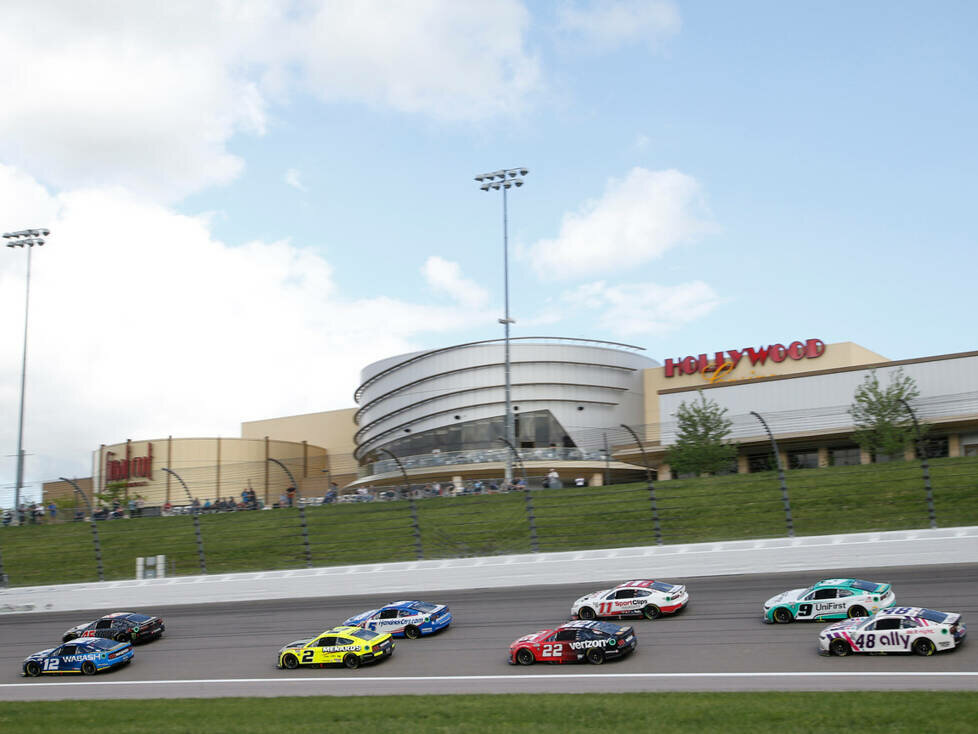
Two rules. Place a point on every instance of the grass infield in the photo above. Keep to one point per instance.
(678, 713)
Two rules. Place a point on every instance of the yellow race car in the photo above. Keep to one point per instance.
(349, 646)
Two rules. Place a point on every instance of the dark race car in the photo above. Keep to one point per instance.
(121, 626)
(574, 642)
(86, 657)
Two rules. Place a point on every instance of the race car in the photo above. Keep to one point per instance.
(344, 645)
(574, 642)
(829, 599)
(895, 629)
(645, 597)
(86, 657)
(121, 626)
(409, 619)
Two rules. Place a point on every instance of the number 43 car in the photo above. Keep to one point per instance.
(349, 646)
(573, 642)
(86, 657)
(895, 629)
(409, 619)
(647, 598)
(829, 599)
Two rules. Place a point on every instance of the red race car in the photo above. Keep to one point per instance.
(574, 642)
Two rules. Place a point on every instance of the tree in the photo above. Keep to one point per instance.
(701, 446)
(883, 423)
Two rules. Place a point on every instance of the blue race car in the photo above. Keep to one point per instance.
(88, 657)
(409, 619)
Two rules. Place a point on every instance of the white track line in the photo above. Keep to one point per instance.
(542, 676)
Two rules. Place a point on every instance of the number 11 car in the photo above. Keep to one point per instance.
(86, 657)
(574, 642)
(646, 598)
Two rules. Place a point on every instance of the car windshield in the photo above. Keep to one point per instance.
(365, 634)
(931, 615)
(424, 607)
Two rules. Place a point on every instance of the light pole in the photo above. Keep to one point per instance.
(24, 238)
(504, 180)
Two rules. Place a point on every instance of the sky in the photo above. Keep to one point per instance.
(251, 201)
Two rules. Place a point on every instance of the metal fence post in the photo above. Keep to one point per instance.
(302, 512)
(784, 487)
(922, 453)
(534, 545)
(3, 576)
(648, 474)
(416, 527)
(91, 515)
(193, 511)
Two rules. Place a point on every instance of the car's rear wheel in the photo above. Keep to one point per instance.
(525, 657)
(123, 637)
(412, 632)
(858, 611)
(33, 669)
(88, 668)
(781, 616)
(923, 647)
(595, 656)
(586, 613)
(351, 661)
(290, 661)
(651, 611)
(840, 648)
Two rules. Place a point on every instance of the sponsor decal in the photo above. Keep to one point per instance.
(585, 644)
(726, 361)
(341, 648)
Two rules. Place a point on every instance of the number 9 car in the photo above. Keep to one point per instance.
(895, 629)
(349, 646)
(829, 599)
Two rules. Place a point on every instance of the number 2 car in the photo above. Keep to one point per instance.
(829, 599)
(895, 629)
(121, 626)
(349, 646)
(645, 597)
(410, 619)
(86, 657)
(589, 641)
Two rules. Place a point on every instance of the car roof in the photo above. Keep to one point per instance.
(343, 629)
(401, 604)
(638, 583)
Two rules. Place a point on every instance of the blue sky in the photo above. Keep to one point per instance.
(251, 201)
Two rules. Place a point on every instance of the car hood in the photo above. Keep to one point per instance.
(41, 654)
(77, 628)
(593, 596)
(786, 597)
(846, 624)
(295, 645)
(355, 620)
(534, 637)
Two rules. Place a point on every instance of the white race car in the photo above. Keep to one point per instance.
(645, 597)
(895, 629)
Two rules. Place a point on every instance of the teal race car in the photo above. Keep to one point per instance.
(829, 599)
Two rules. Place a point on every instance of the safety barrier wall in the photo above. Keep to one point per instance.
(674, 562)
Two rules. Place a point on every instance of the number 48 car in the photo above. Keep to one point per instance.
(594, 642)
(647, 598)
(349, 646)
(829, 599)
(896, 629)
(86, 657)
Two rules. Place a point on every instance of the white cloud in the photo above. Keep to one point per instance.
(148, 95)
(152, 326)
(293, 177)
(446, 276)
(646, 308)
(609, 23)
(637, 220)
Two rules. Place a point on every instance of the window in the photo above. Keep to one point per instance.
(326, 641)
(68, 650)
(907, 623)
(842, 593)
(760, 462)
(848, 456)
(889, 623)
(624, 594)
(825, 594)
(405, 613)
(935, 448)
(970, 449)
(344, 641)
(566, 635)
(388, 614)
(103, 624)
(803, 459)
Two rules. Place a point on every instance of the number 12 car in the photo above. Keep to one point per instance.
(574, 642)
(86, 657)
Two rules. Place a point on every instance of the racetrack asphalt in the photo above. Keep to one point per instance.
(719, 643)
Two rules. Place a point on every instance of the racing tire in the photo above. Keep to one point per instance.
(840, 648)
(524, 656)
(857, 611)
(351, 661)
(88, 668)
(33, 669)
(412, 632)
(595, 656)
(651, 611)
(586, 613)
(123, 637)
(923, 647)
(290, 662)
(782, 616)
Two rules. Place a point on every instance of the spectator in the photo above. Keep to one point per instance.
(79, 515)
(580, 482)
(167, 508)
(132, 507)
(139, 505)
(8, 517)
(553, 480)
(207, 505)
(52, 511)
(290, 496)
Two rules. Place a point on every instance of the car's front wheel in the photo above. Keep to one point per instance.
(412, 632)
(586, 613)
(33, 669)
(840, 648)
(351, 661)
(781, 616)
(651, 611)
(524, 656)
(595, 656)
(290, 661)
(88, 668)
(923, 647)
(858, 611)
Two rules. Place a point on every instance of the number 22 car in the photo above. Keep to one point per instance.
(86, 657)
(349, 646)
(573, 642)
(895, 629)
(829, 599)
